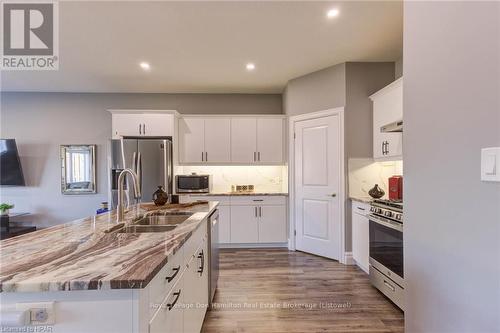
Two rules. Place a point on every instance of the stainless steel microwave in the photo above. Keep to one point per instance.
(192, 184)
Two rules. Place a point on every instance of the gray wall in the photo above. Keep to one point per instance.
(398, 68)
(345, 85)
(452, 219)
(321, 90)
(40, 122)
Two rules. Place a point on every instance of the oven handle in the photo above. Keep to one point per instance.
(386, 223)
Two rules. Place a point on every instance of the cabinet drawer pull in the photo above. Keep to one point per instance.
(258, 200)
(360, 208)
(177, 294)
(176, 271)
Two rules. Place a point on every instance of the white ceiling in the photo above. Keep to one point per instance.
(204, 46)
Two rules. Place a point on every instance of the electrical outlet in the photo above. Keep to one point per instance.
(40, 313)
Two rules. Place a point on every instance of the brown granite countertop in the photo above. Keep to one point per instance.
(361, 199)
(80, 256)
(241, 194)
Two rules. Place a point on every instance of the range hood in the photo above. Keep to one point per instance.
(394, 127)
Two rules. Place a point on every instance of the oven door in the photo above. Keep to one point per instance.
(386, 247)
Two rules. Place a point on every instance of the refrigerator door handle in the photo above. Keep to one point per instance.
(139, 175)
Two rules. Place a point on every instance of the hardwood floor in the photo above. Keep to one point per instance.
(274, 290)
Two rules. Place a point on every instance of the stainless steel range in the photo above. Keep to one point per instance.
(386, 249)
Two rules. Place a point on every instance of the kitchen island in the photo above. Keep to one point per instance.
(92, 280)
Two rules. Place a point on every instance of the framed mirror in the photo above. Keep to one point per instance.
(78, 175)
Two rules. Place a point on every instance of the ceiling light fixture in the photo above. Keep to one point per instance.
(250, 66)
(144, 65)
(332, 13)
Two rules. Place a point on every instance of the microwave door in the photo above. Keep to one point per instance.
(151, 166)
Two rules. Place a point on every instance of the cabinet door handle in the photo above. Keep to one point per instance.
(387, 147)
(206, 156)
(258, 156)
(383, 147)
(202, 157)
(255, 211)
(254, 156)
(260, 211)
(140, 129)
(177, 294)
(144, 129)
(201, 256)
(176, 271)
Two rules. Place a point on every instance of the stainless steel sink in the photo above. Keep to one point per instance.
(164, 219)
(132, 229)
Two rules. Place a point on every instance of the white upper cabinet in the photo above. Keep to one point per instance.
(142, 123)
(231, 140)
(192, 140)
(244, 140)
(205, 140)
(217, 140)
(270, 140)
(387, 108)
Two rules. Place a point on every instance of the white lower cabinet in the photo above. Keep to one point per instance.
(272, 224)
(250, 219)
(244, 224)
(360, 234)
(225, 224)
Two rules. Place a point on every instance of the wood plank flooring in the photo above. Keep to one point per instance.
(275, 290)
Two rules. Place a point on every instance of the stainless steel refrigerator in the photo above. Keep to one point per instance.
(150, 158)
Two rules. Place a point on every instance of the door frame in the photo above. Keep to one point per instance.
(291, 175)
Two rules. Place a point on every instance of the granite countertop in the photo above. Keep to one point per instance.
(241, 194)
(80, 256)
(361, 199)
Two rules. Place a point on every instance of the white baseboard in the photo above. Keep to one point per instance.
(252, 245)
(348, 259)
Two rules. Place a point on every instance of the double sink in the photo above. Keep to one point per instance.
(153, 222)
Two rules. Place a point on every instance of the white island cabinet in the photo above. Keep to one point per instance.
(175, 300)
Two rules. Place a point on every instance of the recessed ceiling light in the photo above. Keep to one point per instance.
(332, 13)
(250, 66)
(144, 65)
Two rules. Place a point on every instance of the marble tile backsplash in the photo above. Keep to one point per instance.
(365, 173)
(265, 178)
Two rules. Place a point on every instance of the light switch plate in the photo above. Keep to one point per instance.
(490, 164)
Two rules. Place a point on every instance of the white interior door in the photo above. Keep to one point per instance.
(318, 163)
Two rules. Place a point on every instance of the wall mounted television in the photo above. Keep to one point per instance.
(11, 173)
